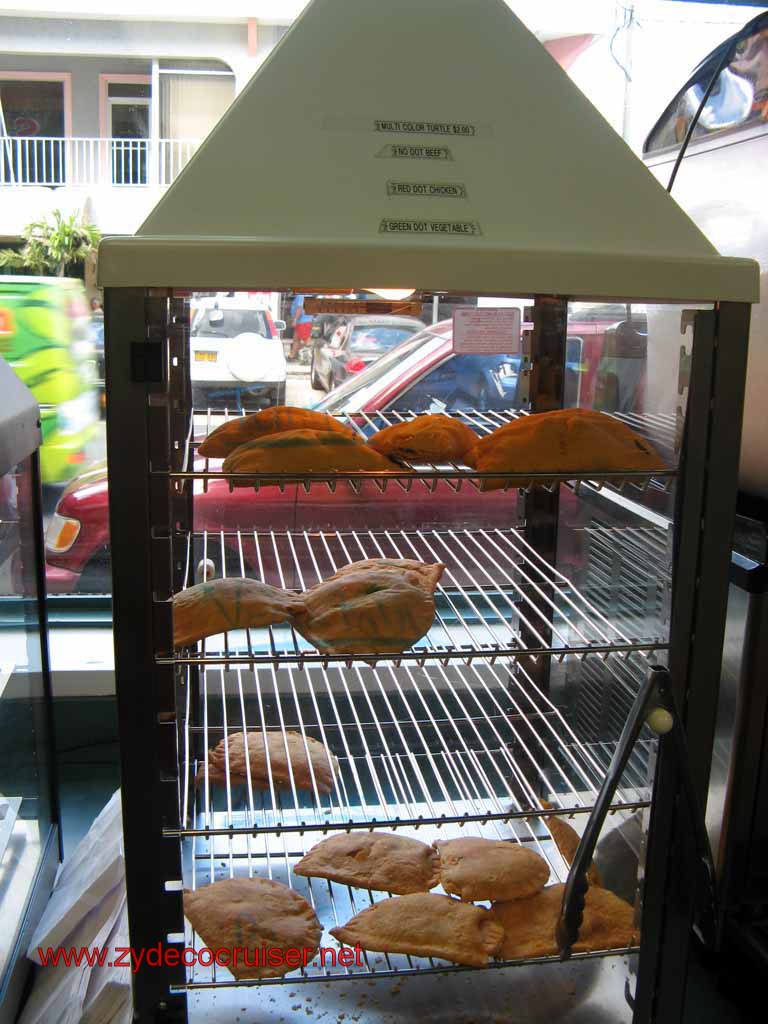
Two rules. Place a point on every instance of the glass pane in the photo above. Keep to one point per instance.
(32, 108)
(33, 116)
(463, 382)
(130, 128)
(130, 120)
(237, 357)
(606, 357)
(129, 89)
(378, 338)
(24, 795)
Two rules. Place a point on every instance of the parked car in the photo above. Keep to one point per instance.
(237, 355)
(421, 374)
(323, 326)
(354, 344)
(44, 337)
(721, 186)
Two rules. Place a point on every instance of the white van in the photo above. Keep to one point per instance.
(237, 355)
(721, 184)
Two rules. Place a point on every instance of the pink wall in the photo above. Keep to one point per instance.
(566, 50)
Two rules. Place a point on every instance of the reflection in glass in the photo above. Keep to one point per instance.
(25, 811)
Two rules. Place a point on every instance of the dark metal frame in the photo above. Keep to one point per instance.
(703, 524)
(542, 508)
(744, 877)
(138, 373)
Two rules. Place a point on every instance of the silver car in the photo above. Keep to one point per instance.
(721, 185)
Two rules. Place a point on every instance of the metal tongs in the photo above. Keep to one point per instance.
(655, 706)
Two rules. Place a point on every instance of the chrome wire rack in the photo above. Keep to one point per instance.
(495, 588)
(658, 429)
(434, 755)
(273, 856)
(415, 746)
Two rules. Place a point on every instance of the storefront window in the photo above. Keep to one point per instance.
(31, 113)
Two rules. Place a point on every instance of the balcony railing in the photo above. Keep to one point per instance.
(87, 162)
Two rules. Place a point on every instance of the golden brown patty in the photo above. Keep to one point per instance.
(425, 925)
(224, 439)
(529, 925)
(268, 758)
(373, 860)
(488, 869)
(365, 611)
(298, 452)
(223, 604)
(564, 441)
(429, 438)
(246, 912)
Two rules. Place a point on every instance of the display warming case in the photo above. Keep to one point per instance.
(571, 672)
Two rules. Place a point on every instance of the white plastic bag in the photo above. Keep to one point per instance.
(94, 868)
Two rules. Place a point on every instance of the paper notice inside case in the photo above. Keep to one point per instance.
(486, 330)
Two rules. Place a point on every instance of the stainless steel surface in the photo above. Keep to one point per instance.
(726, 713)
(495, 586)
(581, 992)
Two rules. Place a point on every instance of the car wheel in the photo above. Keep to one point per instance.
(314, 380)
(96, 577)
(51, 496)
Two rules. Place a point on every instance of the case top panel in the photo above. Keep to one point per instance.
(415, 143)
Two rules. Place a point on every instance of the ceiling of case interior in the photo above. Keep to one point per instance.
(419, 143)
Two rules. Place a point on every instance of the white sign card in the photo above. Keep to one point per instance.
(486, 331)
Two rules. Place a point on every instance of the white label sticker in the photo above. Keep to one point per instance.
(390, 225)
(395, 151)
(429, 189)
(486, 330)
(426, 128)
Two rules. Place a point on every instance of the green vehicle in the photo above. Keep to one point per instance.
(44, 336)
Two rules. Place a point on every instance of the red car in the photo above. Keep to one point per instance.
(422, 374)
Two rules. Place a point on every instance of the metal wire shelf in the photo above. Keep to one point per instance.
(495, 591)
(415, 747)
(658, 429)
(274, 856)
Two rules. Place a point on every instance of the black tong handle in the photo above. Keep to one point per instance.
(655, 697)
